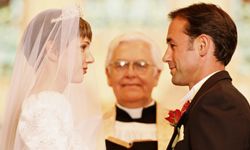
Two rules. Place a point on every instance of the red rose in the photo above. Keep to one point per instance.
(175, 115)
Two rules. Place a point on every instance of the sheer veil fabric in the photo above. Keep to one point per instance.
(48, 60)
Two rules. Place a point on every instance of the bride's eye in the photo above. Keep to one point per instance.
(83, 47)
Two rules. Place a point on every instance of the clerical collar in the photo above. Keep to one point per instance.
(191, 93)
(148, 114)
(134, 113)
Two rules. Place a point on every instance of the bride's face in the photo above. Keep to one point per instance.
(85, 58)
(74, 61)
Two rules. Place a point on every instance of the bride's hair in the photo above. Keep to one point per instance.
(41, 27)
(85, 29)
(50, 31)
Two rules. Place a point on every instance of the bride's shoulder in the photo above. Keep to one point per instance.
(46, 121)
(47, 103)
(48, 99)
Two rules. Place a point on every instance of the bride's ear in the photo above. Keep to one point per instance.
(51, 53)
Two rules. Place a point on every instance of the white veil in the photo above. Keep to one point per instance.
(49, 59)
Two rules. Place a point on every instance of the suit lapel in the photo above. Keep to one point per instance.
(222, 75)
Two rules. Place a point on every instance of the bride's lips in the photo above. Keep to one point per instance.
(85, 70)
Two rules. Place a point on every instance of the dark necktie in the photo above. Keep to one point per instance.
(148, 115)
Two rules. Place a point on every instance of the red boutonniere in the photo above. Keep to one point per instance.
(175, 115)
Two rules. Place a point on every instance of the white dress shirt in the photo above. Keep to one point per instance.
(192, 92)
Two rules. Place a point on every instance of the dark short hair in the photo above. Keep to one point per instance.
(213, 21)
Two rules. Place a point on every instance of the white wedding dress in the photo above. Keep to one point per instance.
(46, 123)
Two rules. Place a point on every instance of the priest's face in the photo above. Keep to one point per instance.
(132, 74)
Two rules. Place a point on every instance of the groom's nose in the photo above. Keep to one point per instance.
(167, 57)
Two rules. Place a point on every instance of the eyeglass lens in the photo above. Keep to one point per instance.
(139, 65)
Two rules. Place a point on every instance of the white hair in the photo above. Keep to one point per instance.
(135, 36)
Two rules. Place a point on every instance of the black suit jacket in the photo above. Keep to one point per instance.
(218, 118)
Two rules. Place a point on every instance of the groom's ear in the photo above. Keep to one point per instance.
(202, 44)
(51, 51)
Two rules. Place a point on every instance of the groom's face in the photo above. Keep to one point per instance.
(132, 74)
(182, 54)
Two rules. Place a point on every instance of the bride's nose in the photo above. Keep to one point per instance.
(89, 57)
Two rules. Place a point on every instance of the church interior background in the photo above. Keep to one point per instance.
(110, 18)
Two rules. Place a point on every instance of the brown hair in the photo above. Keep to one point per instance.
(213, 21)
(85, 29)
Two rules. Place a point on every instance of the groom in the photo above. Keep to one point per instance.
(201, 41)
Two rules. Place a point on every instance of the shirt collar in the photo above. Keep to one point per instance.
(192, 92)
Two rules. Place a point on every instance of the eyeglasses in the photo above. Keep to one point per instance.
(139, 66)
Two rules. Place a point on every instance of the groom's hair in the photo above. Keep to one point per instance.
(213, 21)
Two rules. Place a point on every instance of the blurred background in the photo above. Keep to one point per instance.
(110, 18)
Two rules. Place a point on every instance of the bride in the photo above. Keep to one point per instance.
(46, 107)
